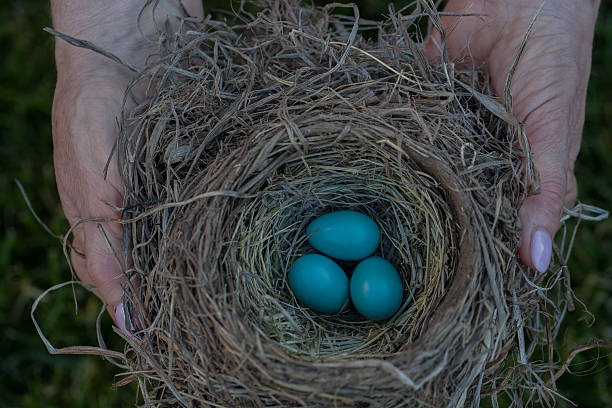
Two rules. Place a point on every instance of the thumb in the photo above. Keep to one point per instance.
(468, 38)
(540, 214)
(102, 242)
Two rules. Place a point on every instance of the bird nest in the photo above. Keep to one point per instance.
(257, 124)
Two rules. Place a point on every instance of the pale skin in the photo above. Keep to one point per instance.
(549, 89)
(87, 102)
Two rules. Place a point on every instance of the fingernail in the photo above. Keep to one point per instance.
(541, 249)
(120, 319)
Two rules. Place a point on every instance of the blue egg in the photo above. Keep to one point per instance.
(319, 283)
(376, 288)
(346, 235)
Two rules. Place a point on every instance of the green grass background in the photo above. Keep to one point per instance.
(31, 261)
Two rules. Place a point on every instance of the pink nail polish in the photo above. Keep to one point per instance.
(541, 249)
(120, 319)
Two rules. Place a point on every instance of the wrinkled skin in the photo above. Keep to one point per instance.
(548, 90)
(549, 97)
(86, 106)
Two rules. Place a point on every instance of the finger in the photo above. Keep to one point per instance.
(105, 269)
(78, 261)
(571, 193)
(540, 214)
(194, 8)
(107, 292)
(77, 257)
(128, 323)
(120, 316)
(468, 38)
(103, 265)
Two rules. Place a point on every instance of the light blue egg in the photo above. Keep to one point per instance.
(346, 235)
(376, 288)
(319, 283)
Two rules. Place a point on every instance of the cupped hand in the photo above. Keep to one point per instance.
(548, 90)
(86, 108)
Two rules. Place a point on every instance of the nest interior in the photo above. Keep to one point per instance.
(357, 171)
(257, 125)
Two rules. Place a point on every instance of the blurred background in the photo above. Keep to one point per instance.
(32, 261)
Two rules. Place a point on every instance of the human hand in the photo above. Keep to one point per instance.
(548, 89)
(86, 107)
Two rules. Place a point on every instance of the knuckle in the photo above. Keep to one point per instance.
(553, 195)
(572, 190)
